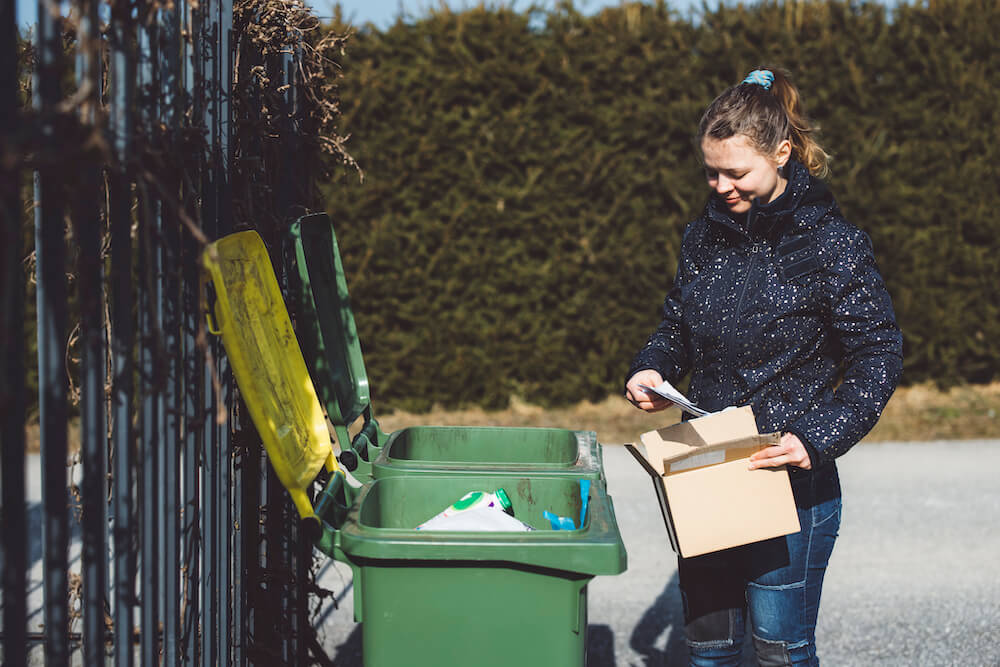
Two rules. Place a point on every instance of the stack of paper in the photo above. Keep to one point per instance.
(669, 392)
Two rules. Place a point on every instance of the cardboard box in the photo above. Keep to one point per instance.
(709, 497)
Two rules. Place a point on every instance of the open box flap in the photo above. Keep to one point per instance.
(661, 494)
(715, 432)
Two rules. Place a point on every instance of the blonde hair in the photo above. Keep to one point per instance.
(766, 116)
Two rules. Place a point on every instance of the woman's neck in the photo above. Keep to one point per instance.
(779, 189)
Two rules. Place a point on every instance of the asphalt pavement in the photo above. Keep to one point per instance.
(914, 579)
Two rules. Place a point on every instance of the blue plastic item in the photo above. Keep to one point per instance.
(584, 495)
(559, 522)
(565, 523)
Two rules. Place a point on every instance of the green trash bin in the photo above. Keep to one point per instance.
(440, 599)
(332, 350)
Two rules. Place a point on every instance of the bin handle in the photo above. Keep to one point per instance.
(334, 501)
(331, 510)
(208, 297)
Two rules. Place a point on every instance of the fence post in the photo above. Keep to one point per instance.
(121, 128)
(194, 374)
(171, 75)
(93, 427)
(14, 516)
(50, 269)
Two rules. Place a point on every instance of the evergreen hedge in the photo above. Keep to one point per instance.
(526, 185)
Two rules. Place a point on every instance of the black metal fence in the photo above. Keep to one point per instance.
(153, 127)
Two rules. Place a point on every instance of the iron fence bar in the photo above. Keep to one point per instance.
(93, 424)
(50, 260)
(236, 520)
(148, 482)
(209, 532)
(171, 75)
(250, 532)
(160, 363)
(279, 565)
(302, 549)
(213, 651)
(224, 524)
(123, 457)
(192, 455)
(237, 526)
(167, 53)
(257, 629)
(273, 637)
(121, 128)
(194, 367)
(170, 469)
(14, 524)
(150, 381)
(205, 51)
(229, 616)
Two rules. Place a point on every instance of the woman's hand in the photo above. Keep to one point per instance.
(642, 400)
(789, 451)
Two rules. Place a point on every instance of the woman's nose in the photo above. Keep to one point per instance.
(723, 185)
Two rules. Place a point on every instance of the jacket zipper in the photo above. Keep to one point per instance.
(755, 250)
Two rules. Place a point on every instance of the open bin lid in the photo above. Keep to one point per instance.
(329, 336)
(250, 316)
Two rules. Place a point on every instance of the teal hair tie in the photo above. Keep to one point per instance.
(762, 77)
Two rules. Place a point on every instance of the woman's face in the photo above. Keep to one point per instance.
(739, 173)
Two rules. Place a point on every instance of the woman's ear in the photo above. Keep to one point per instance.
(784, 153)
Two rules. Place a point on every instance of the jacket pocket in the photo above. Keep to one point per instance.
(796, 259)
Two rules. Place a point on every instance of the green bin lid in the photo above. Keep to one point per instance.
(326, 329)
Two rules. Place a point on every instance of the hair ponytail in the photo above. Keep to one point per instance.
(767, 109)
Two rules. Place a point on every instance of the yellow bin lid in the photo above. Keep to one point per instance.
(250, 316)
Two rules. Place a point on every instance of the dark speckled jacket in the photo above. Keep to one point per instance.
(785, 311)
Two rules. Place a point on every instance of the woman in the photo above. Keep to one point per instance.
(777, 304)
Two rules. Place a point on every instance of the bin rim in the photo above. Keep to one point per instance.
(587, 460)
(595, 549)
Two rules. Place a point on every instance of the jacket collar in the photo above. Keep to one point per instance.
(802, 192)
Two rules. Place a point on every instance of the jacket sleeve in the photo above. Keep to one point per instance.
(665, 350)
(864, 324)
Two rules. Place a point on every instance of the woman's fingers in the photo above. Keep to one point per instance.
(790, 451)
(769, 457)
(644, 400)
(639, 398)
(654, 405)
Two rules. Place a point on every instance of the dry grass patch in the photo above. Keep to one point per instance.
(921, 412)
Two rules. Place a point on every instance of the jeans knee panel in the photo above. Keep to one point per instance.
(779, 613)
(771, 653)
(776, 653)
(715, 629)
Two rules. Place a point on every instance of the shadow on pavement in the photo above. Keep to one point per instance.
(348, 654)
(665, 615)
(600, 646)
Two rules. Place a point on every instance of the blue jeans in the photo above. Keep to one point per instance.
(774, 584)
